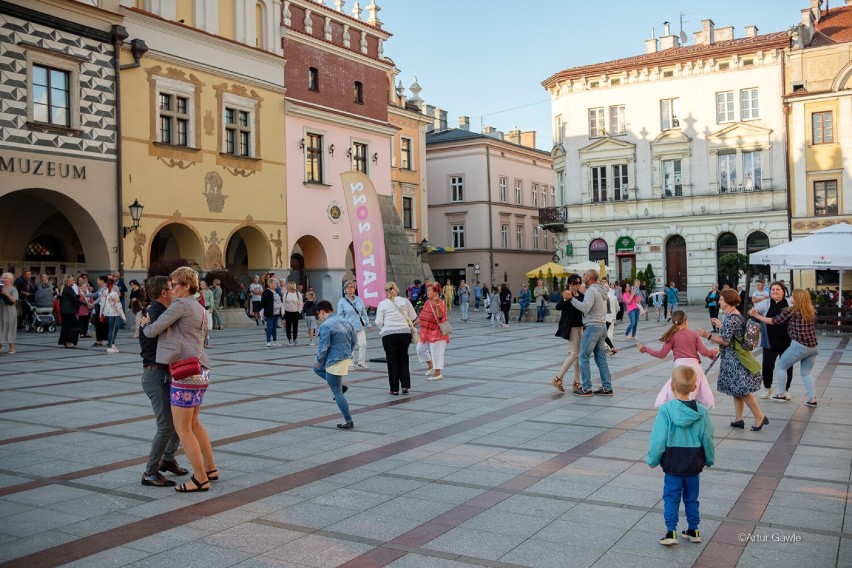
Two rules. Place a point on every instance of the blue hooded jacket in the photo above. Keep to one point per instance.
(682, 439)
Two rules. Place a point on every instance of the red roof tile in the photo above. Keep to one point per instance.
(835, 26)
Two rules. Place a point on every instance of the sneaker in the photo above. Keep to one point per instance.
(269, 344)
(604, 392)
(583, 392)
(692, 535)
(435, 378)
(351, 367)
(310, 343)
(290, 342)
(112, 349)
(767, 392)
(295, 342)
(276, 344)
(669, 538)
(811, 403)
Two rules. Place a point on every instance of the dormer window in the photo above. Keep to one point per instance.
(359, 92)
(313, 79)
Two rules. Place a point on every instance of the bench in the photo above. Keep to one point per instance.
(834, 319)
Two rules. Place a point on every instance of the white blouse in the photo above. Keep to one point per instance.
(388, 317)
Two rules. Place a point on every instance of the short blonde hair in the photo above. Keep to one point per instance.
(683, 379)
(390, 286)
(291, 286)
(185, 276)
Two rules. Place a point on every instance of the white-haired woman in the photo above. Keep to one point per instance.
(8, 313)
(394, 317)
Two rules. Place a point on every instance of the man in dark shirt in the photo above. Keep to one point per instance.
(26, 291)
(157, 383)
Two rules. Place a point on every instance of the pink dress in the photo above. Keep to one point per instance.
(686, 345)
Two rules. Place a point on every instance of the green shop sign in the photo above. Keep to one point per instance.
(625, 245)
(569, 249)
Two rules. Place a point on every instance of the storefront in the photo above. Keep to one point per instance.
(625, 251)
(599, 250)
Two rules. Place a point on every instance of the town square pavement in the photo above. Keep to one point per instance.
(489, 467)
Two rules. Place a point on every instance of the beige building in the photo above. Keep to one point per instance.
(818, 92)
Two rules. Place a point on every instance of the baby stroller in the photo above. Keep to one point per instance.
(39, 319)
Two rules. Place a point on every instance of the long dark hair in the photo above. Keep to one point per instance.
(678, 318)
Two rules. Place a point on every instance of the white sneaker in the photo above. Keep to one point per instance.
(435, 378)
(269, 344)
(766, 393)
(351, 367)
(112, 349)
(311, 343)
(276, 344)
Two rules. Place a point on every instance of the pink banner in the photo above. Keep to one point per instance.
(368, 237)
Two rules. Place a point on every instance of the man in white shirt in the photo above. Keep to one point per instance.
(760, 294)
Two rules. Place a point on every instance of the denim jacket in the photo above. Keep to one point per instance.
(353, 315)
(336, 341)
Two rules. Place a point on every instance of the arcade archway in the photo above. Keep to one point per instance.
(176, 240)
(308, 254)
(247, 251)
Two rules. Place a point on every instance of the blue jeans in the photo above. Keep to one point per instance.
(465, 306)
(792, 355)
(476, 302)
(523, 311)
(157, 385)
(334, 383)
(634, 322)
(272, 329)
(112, 322)
(539, 311)
(594, 340)
(676, 487)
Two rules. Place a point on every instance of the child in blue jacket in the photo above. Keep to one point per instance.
(682, 443)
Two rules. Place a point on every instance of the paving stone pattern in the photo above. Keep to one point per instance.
(489, 467)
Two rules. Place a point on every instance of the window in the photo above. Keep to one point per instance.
(359, 157)
(405, 153)
(359, 92)
(504, 236)
(504, 198)
(519, 236)
(725, 107)
(552, 196)
(823, 127)
(174, 119)
(825, 198)
(458, 236)
(313, 79)
(535, 195)
(536, 231)
(598, 184)
(597, 128)
(560, 182)
(619, 181)
(672, 182)
(313, 153)
(557, 129)
(751, 170)
(259, 25)
(544, 196)
(669, 113)
(457, 188)
(237, 132)
(727, 172)
(51, 102)
(408, 212)
(749, 109)
(519, 187)
(616, 120)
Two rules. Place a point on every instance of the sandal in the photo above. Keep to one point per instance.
(211, 473)
(577, 385)
(199, 486)
(557, 384)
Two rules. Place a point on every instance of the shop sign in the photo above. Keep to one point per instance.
(625, 246)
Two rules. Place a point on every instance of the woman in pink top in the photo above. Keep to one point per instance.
(631, 306)
(686, 345)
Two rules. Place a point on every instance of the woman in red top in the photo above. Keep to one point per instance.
(686, 345)
(433, 343)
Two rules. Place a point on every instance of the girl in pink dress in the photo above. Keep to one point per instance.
(686, 345)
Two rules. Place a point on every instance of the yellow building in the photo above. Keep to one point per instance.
(819, 98)
(202, 136)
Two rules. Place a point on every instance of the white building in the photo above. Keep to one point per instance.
(674, 157)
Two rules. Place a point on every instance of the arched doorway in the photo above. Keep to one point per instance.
(755, 242)
(49, 232)
(248, 251)
(599, 250)
(309, 266)
(176, 240)
(726, 244)
(676, 262)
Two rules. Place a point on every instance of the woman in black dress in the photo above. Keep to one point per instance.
(505, 303)
(69, 305)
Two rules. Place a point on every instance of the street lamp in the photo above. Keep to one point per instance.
(135, 214)
(424, 246)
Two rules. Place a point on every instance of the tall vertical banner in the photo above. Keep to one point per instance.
(368, 237)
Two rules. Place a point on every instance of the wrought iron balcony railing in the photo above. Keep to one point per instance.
(553, 218)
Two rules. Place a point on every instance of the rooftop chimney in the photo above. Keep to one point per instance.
(464, 122)
(429, 111)
(528, 139)
(815, 10)
(708, 33)
(651, 45)
(751, 31)
(725, 34)
(514, 136)
(440, 120)
(668, 41)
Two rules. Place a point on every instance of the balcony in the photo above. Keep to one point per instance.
(553, 219)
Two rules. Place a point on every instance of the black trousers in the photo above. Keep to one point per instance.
(396, 352)
(505, 310)
(84, 323)
(769, 358)
(101, 330)
(70, 329)
(291, 320)
(714, 312)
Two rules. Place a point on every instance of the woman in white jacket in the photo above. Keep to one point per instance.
(394, 317)
(611, 312)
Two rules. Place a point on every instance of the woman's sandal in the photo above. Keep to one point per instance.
(211, 473)
(199, 486)
(557, 384)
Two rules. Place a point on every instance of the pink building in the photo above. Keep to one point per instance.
(485, 191)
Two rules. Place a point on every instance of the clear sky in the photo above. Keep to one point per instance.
(482, 57)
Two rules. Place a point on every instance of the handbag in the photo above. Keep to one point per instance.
(445, 326)
(190, 366)
(415, 337)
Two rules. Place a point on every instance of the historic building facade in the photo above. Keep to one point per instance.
(818, 92)
(59, 187)
(674, 157)
(202, 145)
(484, 198)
